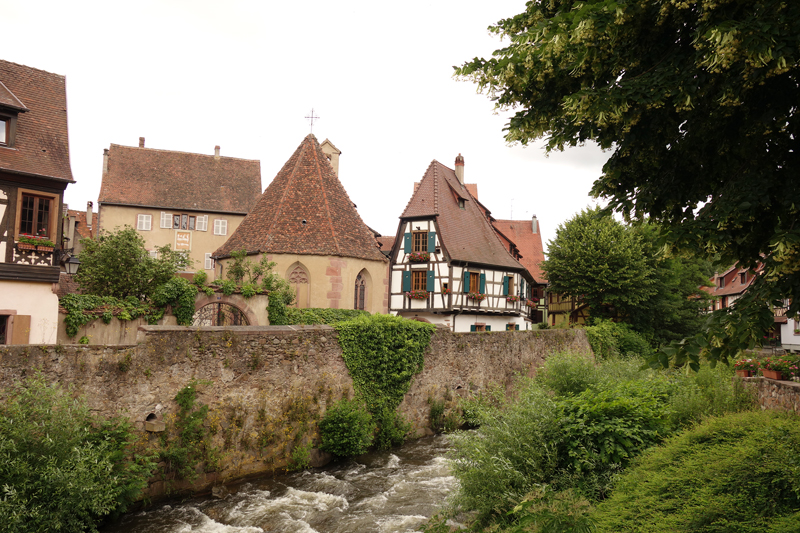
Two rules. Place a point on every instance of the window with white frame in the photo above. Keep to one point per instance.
(144, 222)
(166, 220)
(154, 254)
(220, 226)
(202, 223)
(209, 262)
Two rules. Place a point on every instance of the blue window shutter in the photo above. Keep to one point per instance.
(516, 327)
(429, 282)
(466, 281)
(488, 328)
(505, 285)
(406, 281)
(473, 327)
(483, 284)
(407, 243)
(431, 242)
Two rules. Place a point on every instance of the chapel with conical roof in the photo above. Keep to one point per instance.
(306, 223)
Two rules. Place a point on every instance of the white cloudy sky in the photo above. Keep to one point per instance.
(191, 74)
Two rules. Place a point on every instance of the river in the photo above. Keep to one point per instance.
(387, 492)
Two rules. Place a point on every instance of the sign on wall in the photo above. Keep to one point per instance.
(183, 240)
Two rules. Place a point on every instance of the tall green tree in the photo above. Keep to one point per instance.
(596, 258)
(118, 264)
(697, 100)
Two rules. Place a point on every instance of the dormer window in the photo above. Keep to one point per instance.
(4, 133)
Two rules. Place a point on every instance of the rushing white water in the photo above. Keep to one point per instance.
(383, 492)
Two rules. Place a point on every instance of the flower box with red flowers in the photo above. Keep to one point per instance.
(475, 297)
(446, 291)
(419, 257)
(418, 295)
(512, 299)
(29, 242)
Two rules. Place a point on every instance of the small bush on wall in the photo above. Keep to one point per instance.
(347, 429)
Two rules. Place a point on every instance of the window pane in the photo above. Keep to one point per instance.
(184, 221)
(191, 223)
(26, 216)
(3, 130)
(43, 217)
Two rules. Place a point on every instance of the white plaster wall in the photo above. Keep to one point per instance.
(36, 300)
(789, 340)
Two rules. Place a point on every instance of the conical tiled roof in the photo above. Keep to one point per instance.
(305, 210)
(465, 233)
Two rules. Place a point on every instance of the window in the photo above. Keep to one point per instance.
(220, 226)
(4, 134)
(419, 279)
(742, 277)
(144, 222)
(202, 223)
(209, 262)
(420, 241)
(510, 285)
(461, 203)
(3, 329)
(445, 286)
(36, 214)
(183, 221)
(166, 220)
(154, 254)
(474, 282)
(359, 296)
(721, 282)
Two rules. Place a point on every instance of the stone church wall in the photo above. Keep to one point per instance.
(266, 387)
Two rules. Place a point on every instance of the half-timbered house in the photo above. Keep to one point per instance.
(449, 265)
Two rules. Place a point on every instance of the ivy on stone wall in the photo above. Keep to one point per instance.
(382, 354)
(83, 308)
(316, 315)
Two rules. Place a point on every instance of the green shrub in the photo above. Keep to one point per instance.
(200, 278)
(314, 315)
(609, 339)
(181, 295)
(568, 373)
(62, 468)
(346, 429)
(738, 473)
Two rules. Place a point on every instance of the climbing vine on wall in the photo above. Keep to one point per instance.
(382, 354)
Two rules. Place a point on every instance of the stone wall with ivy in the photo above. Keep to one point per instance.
(237, 402)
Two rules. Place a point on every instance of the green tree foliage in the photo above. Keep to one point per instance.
(317, 315)
(118, 264)
(621, 271)
(737, 473)
(697, 102)
(61, 468)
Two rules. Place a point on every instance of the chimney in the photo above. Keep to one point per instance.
(89, 206)
(105, 161)
(460, 168)
(216, 152)
(141, 142)
(535, 225)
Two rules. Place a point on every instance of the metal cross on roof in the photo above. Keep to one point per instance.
(311, 118)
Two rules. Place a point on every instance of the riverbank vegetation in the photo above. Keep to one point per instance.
(571, 451)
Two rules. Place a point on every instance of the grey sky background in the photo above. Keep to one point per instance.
(188, 75)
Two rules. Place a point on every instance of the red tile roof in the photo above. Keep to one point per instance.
(466, 234)
(42, 142)
(386, 243)
(83, 232)
(528, 243)
(180, 180)
(305, 210)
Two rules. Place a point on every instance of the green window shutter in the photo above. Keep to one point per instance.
(473, 327)
(431, 242)
(522, 288)
(505, 285)
(407, 243)
(488, 328)
(429, 282)
(509, 327)
(483, 284)
(466, 281)
(406, 281)
(516, 327)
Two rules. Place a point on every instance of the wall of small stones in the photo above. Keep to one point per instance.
(265, 387)
(776, 395)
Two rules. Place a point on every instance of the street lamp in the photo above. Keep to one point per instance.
(71, 265)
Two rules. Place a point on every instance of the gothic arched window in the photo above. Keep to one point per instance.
(360, 293)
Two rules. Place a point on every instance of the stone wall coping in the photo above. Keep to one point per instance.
(783, 383)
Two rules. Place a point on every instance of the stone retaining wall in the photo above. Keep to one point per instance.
(776, 395)
(266, 387)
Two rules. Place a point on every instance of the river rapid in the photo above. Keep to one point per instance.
(388, 492)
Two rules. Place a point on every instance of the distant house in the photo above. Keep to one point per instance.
(79, 225)
(306, 223)
(729, 286)
(193, 202)
(451, 266)
(34, 171)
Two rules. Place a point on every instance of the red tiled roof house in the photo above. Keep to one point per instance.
(451, 266)
(34, 171)
(307, 224)
(193, 202)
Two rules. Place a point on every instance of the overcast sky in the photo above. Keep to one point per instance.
(188, 75)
